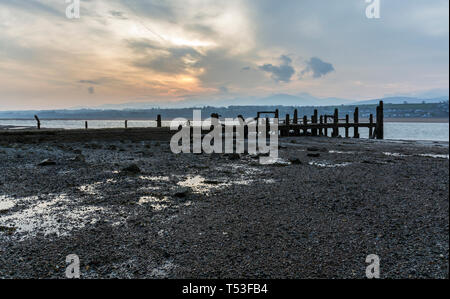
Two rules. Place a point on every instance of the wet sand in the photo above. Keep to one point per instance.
(318, 214)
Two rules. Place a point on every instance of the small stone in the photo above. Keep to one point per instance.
(234, 156)
(78, 158)
(181, 193)
(47, 162)
(211, 182)
(133, 168)
(295, 161)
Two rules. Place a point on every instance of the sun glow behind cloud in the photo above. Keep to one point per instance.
(168, 50)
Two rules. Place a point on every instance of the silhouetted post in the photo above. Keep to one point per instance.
(38, 122)
(267, 126)
(296, 131)
(86, 125)
(126, 124)
(277, 114)
(325, 121)
(335, 123)
(288, 123)
(315, 120)
(347, 123)
(242, 122)
(356, 121)
(371, 126)
(321, 128)
(158, 121)
(305, 122)
(380, 121)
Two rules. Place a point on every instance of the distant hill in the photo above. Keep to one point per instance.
(282, 99)
(403, 100)
(302, 99)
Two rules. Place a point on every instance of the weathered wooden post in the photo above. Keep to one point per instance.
(242, 122)
(158, 121)
(288, 123)
(325, 121)
(38, 122)
(347, 123)
(315, 120)
(380, 121)
(335, 123)
(267, 126)
(126, 124)
(277, 114)
(371, 126)
(86, 125)
(305, 122)
(356, 123)
(296, 131)
(321, 127)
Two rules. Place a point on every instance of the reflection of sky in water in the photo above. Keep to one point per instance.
(52, 215)
(408, 131)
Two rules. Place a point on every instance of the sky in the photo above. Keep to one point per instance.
(122, 51)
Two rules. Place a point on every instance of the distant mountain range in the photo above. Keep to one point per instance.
(402, 100)
(303, 99)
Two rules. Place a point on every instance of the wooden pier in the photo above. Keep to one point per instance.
(316, 125)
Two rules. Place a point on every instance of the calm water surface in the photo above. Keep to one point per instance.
(399, 131)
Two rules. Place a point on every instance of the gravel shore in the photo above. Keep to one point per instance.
(133, 209)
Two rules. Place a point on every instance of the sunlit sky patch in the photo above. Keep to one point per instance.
(123, 51)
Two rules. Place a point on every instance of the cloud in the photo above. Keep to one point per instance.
(223, 89)
(196, 47)
(317, 67)
(35, 6)
(281, 73)
(169, 60)
(118, 14)
(92, 82)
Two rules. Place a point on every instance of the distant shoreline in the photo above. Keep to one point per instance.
(386, 120)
